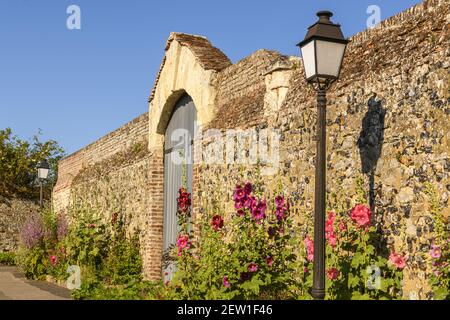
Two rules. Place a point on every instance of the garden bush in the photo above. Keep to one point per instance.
(7, 258)
(18, 160)
(247, 256)
(109, 261)
(256, 253)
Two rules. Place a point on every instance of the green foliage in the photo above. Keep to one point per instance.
(87, 241)
(110, 261)
(229, 251)
(363, 272)
(440, 264)
(33, 262)
(7, 258)
(123, 264)
(132, 291)
(18, 160)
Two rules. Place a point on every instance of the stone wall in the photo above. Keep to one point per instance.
(128, 139)
(13, 213)
(388, 134)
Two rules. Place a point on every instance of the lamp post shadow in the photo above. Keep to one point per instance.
(370, 143)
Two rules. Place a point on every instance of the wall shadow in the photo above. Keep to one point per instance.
(370, 142)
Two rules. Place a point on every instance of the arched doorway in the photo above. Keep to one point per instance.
(178, 169)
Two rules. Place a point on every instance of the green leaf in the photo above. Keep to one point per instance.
(357, 259)
(356, 295)
(441, 293)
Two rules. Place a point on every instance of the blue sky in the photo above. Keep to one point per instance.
(78, 85)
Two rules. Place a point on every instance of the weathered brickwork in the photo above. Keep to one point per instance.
(124, 138)
(388, 134)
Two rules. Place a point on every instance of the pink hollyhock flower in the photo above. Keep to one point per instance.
(239, 194)
(309, 249)
(280, 213)
(332, 240)
(250, 202)
(435, 252)
(252, 267)
(259, 212)
(333, 273)
(53, 260)
(305, 270)
(248, 188)
(240, 212)
(217, 222)
(226, 283)
(269, 261)
(238, 205)
(361, 215)
(342, 226)
(398, 260)
(279, 201)
(329, 224)
(183, 243)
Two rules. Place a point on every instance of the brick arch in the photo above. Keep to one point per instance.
(190, 66)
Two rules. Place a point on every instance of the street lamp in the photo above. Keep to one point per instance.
(322, 51)
(42, 168)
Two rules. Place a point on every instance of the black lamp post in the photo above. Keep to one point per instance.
(322, 51)
(42, 168)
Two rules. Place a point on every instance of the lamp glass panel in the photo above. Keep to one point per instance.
(43, 173)
(309, 59)
(329, 57)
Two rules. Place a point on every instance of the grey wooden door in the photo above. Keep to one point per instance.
(178, 159)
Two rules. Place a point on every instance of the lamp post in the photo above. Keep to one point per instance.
(322, 51)
(42, 168)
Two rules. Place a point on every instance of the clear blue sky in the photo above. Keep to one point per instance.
(78, 85)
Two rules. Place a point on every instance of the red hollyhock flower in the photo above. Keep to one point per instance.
(333, 273)
(252, 267)
(53, 260)
(217, 222)
(226, 283)
(184, 200)
(361, 215)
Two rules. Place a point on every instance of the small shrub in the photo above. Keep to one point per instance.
(7, 258)
(33, 262)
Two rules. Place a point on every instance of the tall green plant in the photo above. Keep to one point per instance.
(18, 160)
